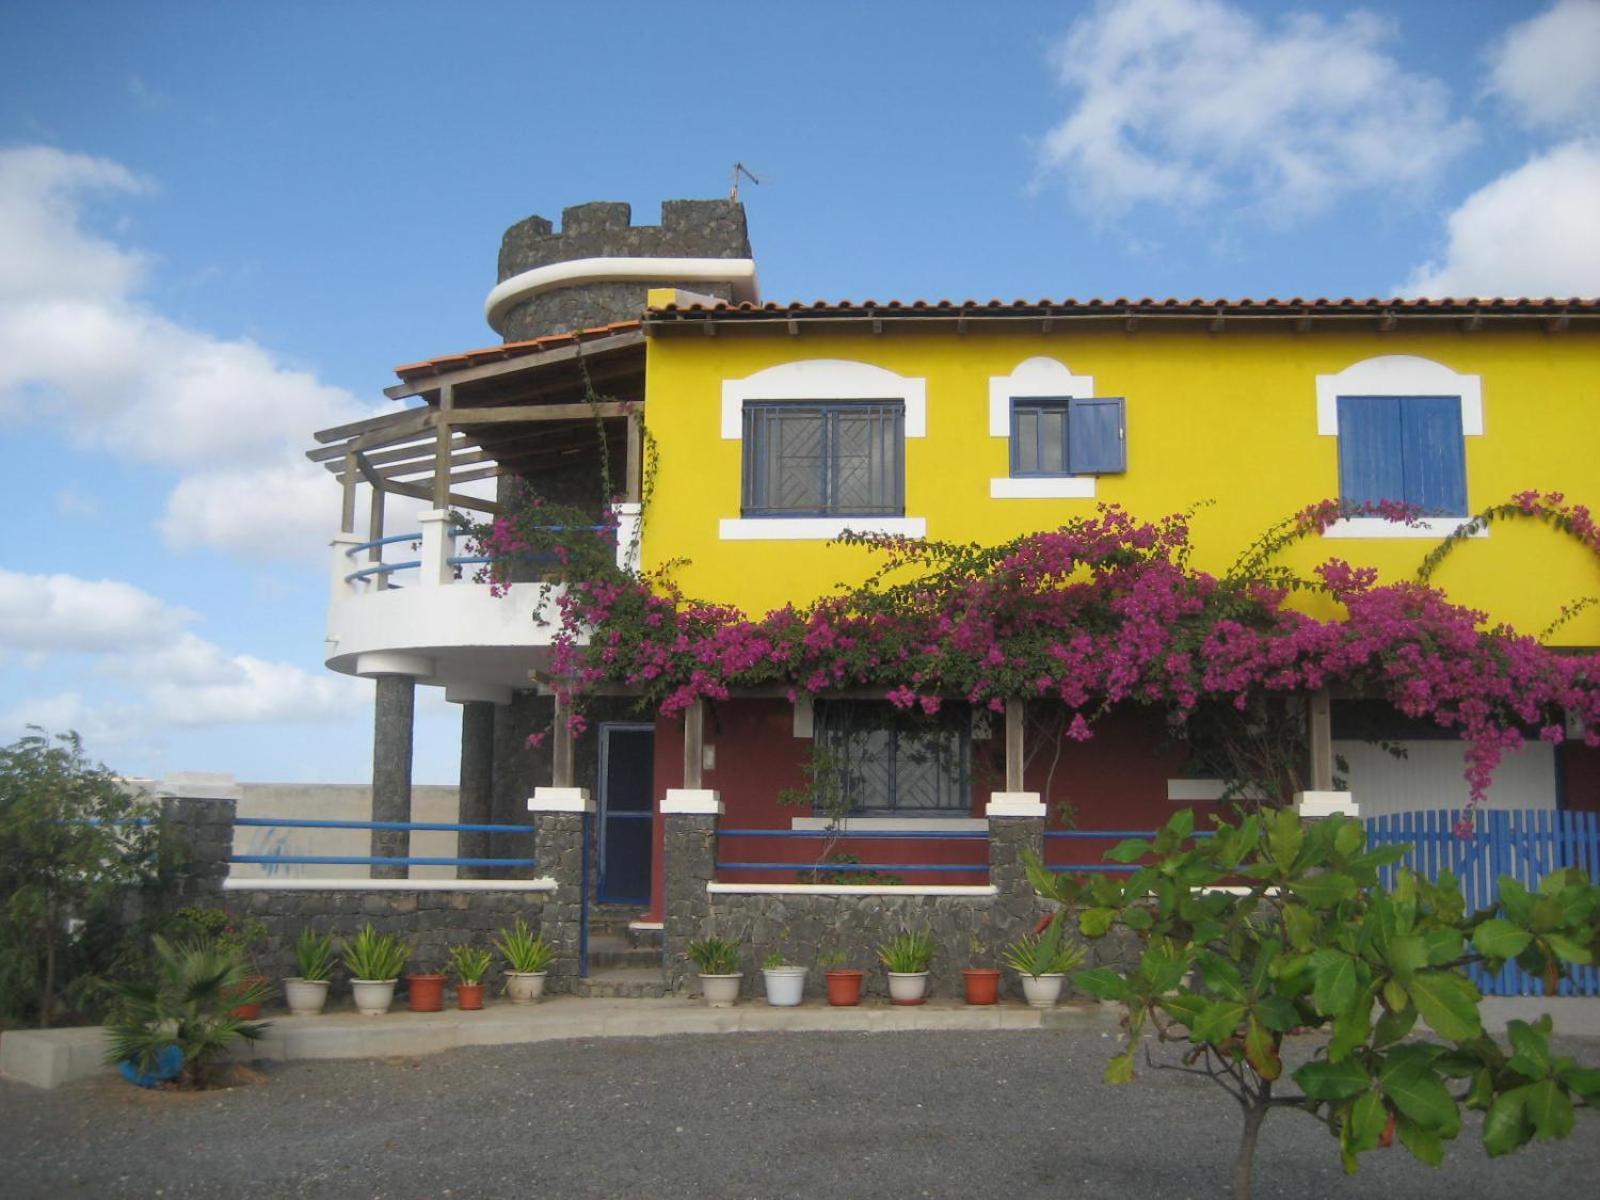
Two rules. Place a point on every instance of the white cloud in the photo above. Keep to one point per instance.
(151, 672)
(1532, 232)
(1548, 68)
(79, 349)
(62, 612)
(1193, 102)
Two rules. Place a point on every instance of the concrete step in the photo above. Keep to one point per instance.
(609, 953)
(625, 983)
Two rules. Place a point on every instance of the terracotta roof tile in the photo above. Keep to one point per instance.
(472, 358)
(1372, 304)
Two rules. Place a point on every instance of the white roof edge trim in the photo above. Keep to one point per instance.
(740, 272)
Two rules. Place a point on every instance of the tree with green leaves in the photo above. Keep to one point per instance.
(73, 838)
(1274, 926)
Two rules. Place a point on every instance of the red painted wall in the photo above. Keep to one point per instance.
(1581, 766)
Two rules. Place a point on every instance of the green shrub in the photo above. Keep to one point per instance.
(470, 963)
(314, 957)
(525, 954)
(376, 956)
(908, 954)
(714, 955)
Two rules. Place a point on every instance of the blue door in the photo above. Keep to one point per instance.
(627, 772)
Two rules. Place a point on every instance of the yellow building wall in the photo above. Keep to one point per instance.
(1230, 418)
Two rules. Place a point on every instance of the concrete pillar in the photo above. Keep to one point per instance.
(477, 783)
(1016, 823)
(391, 769)
(690, 862)
(561, 821)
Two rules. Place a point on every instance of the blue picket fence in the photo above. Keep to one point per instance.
(1526, 845)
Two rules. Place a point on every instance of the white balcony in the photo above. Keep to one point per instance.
(408, 604)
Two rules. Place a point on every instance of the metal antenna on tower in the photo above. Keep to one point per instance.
(740, 169)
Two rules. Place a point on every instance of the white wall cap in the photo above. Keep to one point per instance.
(460, 693)
(692, 802)
(1326, 804)
(739, 272)
(560, 800)
(828, 889)
(544, 883)
(393, 662)
(199, 785)
(1015, 804)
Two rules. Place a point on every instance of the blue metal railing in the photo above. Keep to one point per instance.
(455, 560)
(853, 835)
(366, 860)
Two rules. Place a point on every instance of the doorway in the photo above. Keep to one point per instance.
(626, 811)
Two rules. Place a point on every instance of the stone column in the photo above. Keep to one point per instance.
(197, 814)
(561, 824)
(1016, 823)
(690, 851)
(475, 805)
(391, 769)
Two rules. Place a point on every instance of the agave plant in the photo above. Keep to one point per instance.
(910, 953)
(371, 955)
(470, 963)
(714, 955)
(187, 1006)
(1048, 953)
(525, 952)
(314, 956)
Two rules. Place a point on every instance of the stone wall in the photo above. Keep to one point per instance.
(604, 229)
(431, 921)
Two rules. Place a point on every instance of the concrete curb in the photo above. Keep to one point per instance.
(48, 1058)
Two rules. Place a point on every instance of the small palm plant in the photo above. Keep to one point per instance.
(1036, 954)
(314, 956)
(375, 956)
(187, 1008)
(910, 953)
(470, 963)
(714, 955)
(525, 952)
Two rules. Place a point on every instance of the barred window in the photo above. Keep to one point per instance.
(886, 761)
(814, 459)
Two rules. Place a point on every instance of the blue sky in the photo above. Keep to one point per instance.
(221, 226)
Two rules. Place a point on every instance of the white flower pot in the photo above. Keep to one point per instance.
(373, 996)
(785, 985)
(906, 987)
(720, 991)
(1042, 991)
(305, 997)
(525, 987)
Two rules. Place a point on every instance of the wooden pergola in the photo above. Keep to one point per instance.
(516, 409)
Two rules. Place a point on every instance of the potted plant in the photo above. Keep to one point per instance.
(982, 983)
(528, 958)
(470, 963)
(844, 983)
(375, 961)
(229, 936)
(425, 991)
(718, 960)
(1043, 960)
(905, 959)
(314, 959)
(786, 982)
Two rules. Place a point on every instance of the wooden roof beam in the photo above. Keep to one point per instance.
(512, 366)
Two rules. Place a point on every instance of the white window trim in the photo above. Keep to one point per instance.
(1399, 375)
(824, 379)
(821, 379)
(815, 529)
(1037, 376)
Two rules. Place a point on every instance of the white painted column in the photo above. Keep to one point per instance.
(436, 548)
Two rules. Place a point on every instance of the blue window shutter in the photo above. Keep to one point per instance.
(1370, 450)
(1434, 455)
(1097, 436)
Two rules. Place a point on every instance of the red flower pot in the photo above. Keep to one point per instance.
(469, 996)
(844, 986)
(425, 993)
(983, 985)
(247, 1012)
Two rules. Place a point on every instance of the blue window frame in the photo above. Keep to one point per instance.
(1405, 448)
(1054, 436)
(814, 459)
(886, 761)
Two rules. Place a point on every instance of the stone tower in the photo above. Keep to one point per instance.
(597, 269)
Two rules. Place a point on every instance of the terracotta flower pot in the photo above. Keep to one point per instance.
(425, 993)
(469, 996)
(247, 1012)
(983, 985)
(844, 986)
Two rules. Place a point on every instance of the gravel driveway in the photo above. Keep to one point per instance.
(1019, 1114)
